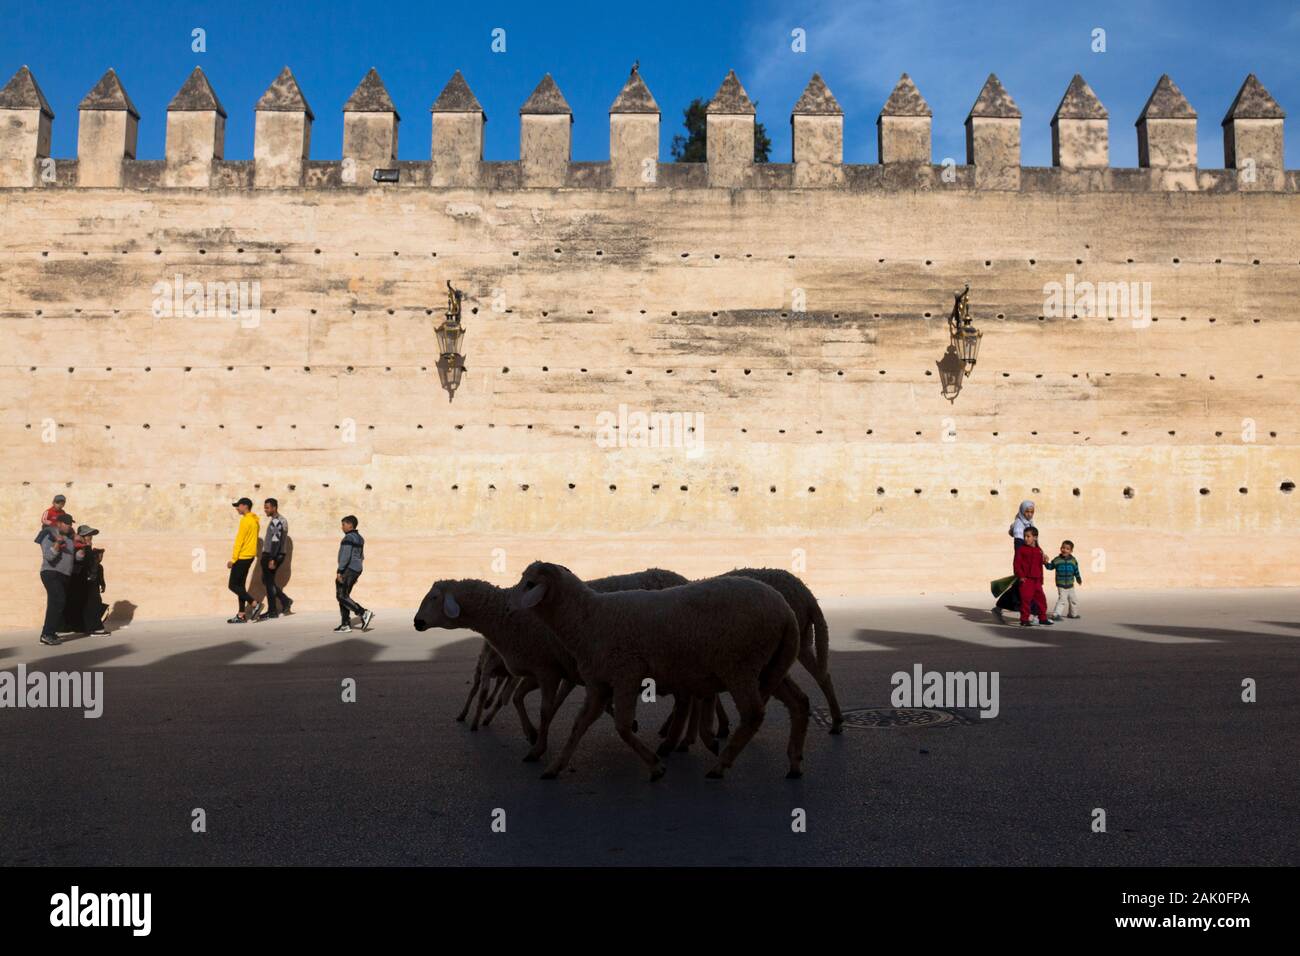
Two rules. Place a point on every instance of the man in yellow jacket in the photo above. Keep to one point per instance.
(241, 559)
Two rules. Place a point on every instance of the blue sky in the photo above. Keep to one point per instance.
(860, 47)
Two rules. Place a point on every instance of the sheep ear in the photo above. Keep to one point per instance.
(533, 596)
(450, 607)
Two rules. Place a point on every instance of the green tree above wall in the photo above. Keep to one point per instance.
(692, 147)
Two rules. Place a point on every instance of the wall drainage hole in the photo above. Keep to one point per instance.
(1129, 492)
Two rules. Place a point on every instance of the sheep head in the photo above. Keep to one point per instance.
(540, 584)
(439, 607)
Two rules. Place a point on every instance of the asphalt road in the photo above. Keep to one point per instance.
(1135, 709)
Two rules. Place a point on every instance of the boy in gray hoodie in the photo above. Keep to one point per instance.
(351, 555)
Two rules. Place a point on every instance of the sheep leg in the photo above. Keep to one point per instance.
(673, 727)
(666, 726)
(724, 722)
(483, 694)
(707, 712)
(566, 687)
(549, 687)
(525, 686)
(624, 714)
(749, 701)
(592, 708)
(692, 725)
(796, 702)
(478, 679)
(808, 658)
(503, 695)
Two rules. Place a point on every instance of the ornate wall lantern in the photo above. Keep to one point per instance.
(965, 338)
(451, 363)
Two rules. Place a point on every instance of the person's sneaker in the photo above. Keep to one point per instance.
(1025, 624)
(1047, 622)
(1076, 616)
(997, 614)
(366, 618)
(254, 612)
(236, 620)
(99, 632)
(286, 605)
(268, 615)
(52, 639)
(343, 629)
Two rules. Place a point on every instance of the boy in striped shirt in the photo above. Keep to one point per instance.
(1067, 575)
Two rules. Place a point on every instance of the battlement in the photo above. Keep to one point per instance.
(196, 121)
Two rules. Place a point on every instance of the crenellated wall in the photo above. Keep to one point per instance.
(794, 315)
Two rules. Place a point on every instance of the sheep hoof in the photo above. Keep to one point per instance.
(532, 738)
(793, 774)
(460, 719)
(837, 729)
(657, 771)
(713, 747)
(714, 774)
(635, 727)
(664, 749)
(550, 774)
(531, 757)
(683, 748)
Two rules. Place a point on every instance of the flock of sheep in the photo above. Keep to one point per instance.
(737, 633)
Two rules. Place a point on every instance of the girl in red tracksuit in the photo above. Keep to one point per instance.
(1028, 568)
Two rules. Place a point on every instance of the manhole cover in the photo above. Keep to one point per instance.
(871, 718)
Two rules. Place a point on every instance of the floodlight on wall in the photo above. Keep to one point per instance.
(387, 175)
(451, 362)
(964, 337)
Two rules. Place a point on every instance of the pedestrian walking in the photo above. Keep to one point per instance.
(58, 557)
(85, 608)
(241, 559)
(351, 555)
(274, 545)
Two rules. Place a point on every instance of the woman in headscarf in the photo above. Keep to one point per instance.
(1004, 589)
(1024, 519)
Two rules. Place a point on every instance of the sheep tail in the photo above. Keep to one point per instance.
(786, 653)
(821, 637)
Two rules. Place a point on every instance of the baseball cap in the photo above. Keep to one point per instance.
(242, 501)
(86, 530)
(60, 500)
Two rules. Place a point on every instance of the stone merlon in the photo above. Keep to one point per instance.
(731, 98)
(817, 99)
(546, 99)
(1080, 102)
(284, 96)
(1252, 102)
(457, 97)
(370, 96)
(108, 94)
(905, 100)
(635, 97)
(196, 96)
(994, 101)
(22, 93)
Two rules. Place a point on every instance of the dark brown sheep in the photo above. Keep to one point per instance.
(730, 634)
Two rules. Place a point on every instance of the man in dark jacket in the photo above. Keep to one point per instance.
(275, 543)
(59, 556)
(351, 555)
